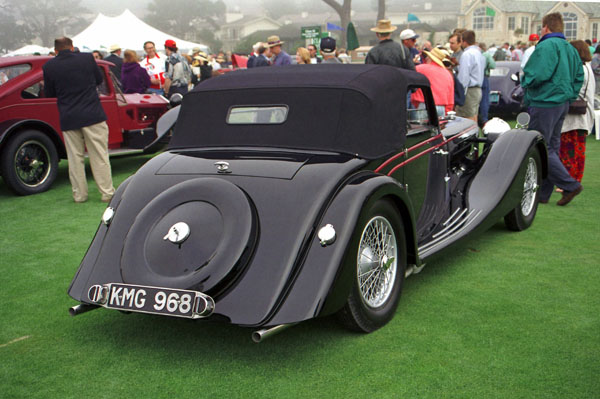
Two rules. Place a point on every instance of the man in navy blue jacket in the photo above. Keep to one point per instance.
(72, 78)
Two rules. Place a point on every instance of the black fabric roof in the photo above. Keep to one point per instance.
(357, 109)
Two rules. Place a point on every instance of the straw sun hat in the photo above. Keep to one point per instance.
(273, 41)
(437, 55)
(384, 26)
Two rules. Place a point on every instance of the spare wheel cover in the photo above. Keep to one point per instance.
(220, 221)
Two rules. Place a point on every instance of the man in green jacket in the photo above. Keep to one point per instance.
(552, 79)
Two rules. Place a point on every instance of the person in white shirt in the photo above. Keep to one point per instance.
(155, 65)
(533, 39)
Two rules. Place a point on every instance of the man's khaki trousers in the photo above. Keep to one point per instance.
(95, 138)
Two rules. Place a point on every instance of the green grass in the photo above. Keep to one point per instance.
(506, 315)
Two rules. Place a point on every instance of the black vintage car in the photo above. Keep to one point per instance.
(295, 192)
(504, 88)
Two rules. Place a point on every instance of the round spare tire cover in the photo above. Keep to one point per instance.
(220, 221)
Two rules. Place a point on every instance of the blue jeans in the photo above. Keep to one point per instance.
(484, 105)
(548, 121)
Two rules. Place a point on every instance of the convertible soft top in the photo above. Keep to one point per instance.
(356, 109)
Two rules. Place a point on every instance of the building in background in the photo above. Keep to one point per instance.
(499, 21)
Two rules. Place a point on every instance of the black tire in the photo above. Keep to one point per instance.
(358, 314)
(29, 162)
(521, 217)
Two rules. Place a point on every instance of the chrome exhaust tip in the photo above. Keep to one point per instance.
(81, 308)
(260, 335)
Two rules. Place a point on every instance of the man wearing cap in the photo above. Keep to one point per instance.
(71, 77)
(470, 74)
(442, 81)
(409, 39)
(115, 58)
(533, 39)
(179, 74)
(328, 50)
(552, 79)
(387, 51)
(280, 56)
(154, 64)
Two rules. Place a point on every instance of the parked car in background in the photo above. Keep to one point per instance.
(31, 142)
(296, 192)
(504, 88)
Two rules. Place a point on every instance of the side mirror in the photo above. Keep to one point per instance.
(514, 77)
(523, 120)
(175, 99)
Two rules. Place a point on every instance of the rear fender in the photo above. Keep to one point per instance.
(11, 127)
(78, 288)
(163, 129)
(327, 275)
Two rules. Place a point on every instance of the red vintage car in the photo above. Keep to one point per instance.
(31, 142)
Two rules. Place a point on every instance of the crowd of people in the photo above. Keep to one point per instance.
(560, 100)
(458, 72)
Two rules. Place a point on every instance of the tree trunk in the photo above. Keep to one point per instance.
(343, 11)
(380, 9)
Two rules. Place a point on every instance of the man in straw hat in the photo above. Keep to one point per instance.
(388, 52)
(280, 56)
(115, 58)
(442, 82)
(201, 68)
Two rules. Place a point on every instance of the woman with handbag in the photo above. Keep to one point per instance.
(580, 119)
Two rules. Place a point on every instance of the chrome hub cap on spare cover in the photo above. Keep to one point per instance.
(32, 163)
(530, 187)
(377, 262)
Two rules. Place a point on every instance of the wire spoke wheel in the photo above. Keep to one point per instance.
(530, 187)
(522, 215)
(377, 262)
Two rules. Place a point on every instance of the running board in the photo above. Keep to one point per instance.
(457, 223)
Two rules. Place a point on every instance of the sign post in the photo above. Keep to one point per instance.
(312, 35)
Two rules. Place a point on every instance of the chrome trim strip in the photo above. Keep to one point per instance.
(451, 217)
(458, 228)
(449, 226)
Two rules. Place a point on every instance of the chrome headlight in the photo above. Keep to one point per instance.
(495, 126)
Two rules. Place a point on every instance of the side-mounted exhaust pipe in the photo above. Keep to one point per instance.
(260, 335)
(81, 308)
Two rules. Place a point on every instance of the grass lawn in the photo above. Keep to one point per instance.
(507, 315)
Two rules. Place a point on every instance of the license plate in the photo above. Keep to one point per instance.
(494, 98)
(155, 300)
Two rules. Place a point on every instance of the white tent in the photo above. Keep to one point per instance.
(127, 31)
(28, 50)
